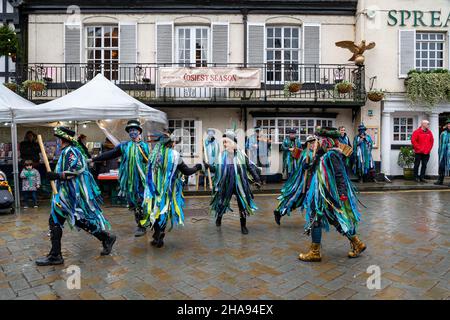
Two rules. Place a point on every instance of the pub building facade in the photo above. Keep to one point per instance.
(138, 45)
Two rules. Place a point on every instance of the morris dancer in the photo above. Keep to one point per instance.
(163, 196)
(362, 151)
(444, 154)
(132, 170)
(290, 143)
(234, 173)
(294, 190)
(331, 198)
(77, 201)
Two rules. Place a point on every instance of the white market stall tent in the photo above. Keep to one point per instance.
(99, 99)
(10, 105)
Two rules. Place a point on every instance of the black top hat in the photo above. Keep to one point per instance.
(291, 130)
(362, 127)
(133, 124)
(65, 134)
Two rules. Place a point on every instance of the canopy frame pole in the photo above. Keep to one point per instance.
(15, 165)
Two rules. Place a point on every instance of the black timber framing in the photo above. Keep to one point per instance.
(322, 7)
(6, 18)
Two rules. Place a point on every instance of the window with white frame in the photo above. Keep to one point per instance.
(192, 46)
(276, 128)
(403, 128)
(283, 54)
(186, 134)
(429, 50)
(102, 51)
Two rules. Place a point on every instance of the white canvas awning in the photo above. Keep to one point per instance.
(99, 99)
(10, 101)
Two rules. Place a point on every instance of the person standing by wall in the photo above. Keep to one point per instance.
(422, 141)
(444, 153)
(29, 148)
(291, 146)
(362, 154)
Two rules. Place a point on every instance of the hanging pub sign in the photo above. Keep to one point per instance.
(214, 77)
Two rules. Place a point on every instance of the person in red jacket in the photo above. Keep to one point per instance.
(422, 141)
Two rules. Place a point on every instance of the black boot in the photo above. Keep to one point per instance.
(138, 216)
(277, 217)
(108, 240)
(54, 257)
(156, 234)
(244, 229)
(440, 181)
(160, 241)
(50, 260)
(219, 221)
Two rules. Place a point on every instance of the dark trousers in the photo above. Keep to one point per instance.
(420, 158)
(56, 232)
(442, 170)
(30, 196)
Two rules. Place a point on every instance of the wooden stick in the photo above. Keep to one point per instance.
(47, 164)
(209, 171)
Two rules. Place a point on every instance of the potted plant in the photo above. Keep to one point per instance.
(34, 85)
(406, 161)
(344, 87)
(375, 95)
(11, 86)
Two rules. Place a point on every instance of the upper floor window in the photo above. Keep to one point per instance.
(192, 46)
(282, 55)
(102, 51)
(429, 50)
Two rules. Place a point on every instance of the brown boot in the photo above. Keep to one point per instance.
(357, 247)
(313, 255)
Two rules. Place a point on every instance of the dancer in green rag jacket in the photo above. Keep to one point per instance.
(444, 154)
(77, 201)
(132, 171)
(289, 146)
(331, 198)
(294, 190)
(233, 175)
(362, 152)
(163, 195)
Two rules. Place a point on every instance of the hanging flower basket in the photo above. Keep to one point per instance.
(344, 87)
(295, 87)
(11, 86)
(375, 95)
(36, 86)
(291, 87)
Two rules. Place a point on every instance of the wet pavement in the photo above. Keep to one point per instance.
(407, 235)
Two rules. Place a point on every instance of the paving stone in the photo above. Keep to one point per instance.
(201, 261)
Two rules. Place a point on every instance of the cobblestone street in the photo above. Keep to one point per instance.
(407, 235)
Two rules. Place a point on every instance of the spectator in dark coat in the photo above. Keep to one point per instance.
(29, 148)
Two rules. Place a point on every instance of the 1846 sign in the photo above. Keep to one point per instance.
(418, 18)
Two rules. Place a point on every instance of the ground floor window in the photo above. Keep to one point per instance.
(186, 134)
(403, 128)
(277, 128)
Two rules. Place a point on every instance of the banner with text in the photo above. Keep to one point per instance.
(246, 78)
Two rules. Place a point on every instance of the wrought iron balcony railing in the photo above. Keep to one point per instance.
(141, 81)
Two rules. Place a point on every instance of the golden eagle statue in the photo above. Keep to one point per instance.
(357, 50)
